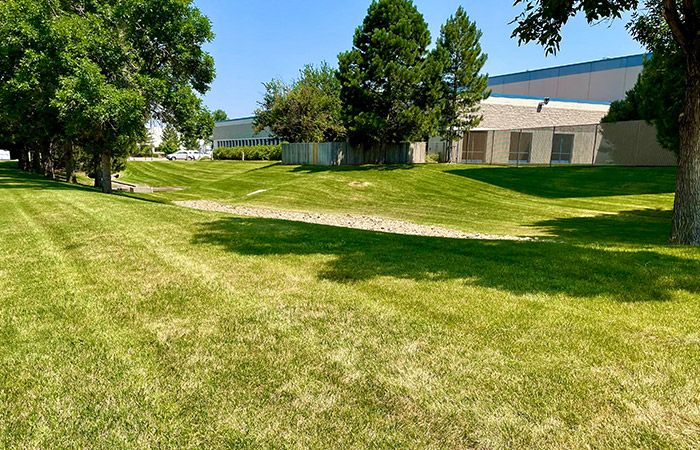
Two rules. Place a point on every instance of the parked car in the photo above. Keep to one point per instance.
(184, 155)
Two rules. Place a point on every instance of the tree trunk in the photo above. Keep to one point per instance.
(69, 163)
(35, 159)
(24, 159)
(47, 165)
(105, 171)
(686, 214)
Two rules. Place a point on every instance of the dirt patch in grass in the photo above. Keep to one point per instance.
(355, 221)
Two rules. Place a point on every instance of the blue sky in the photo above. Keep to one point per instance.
(260, 40)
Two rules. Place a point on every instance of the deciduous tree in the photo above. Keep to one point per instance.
(90, 73)
(219, 115)
(308, 110)
(542, 21)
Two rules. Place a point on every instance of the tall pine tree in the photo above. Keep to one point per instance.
(460, 60)
(382, 76)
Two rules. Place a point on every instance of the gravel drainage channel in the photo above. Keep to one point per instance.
(354, 221)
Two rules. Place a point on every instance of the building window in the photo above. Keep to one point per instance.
(475, 148)
(520, 146)
(562, 148)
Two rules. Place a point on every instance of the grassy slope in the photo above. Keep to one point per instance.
(525, 201)
(133, 323)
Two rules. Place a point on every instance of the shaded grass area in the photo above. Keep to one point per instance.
(565, 182)
(527, 201)
(517, 267)
(126, 323)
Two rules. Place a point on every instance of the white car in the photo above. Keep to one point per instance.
(183, 155)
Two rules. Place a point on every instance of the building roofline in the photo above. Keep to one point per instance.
(236, 119)
(621, 62)
(554, 99)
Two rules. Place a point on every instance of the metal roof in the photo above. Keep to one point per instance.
(621, 62)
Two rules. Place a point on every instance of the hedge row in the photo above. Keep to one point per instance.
(255, 153)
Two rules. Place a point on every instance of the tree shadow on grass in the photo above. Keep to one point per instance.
(13, 178)
(363, 168)
(520, 267)
(571, 182)
(646, 226)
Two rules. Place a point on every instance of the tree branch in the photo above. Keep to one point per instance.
(690, 16)
(678, 28)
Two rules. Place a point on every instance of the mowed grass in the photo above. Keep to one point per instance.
(132, 323)
(531, 201)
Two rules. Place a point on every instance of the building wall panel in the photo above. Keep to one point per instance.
(574, 86)
(607, 84)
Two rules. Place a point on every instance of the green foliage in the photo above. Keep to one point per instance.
(88, 74)
(542, 20)
(462, 87)
(657, 97)
(219, 115)
(308, 110)
(432, 158)
(382, 77)
(170, 140)
(141, 151)
(253, 153)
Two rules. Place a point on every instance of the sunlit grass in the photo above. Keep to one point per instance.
(526, 201)
(128, 323)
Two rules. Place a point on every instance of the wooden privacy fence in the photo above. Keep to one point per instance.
(344, 154)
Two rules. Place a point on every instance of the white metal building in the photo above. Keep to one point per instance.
(601, 81)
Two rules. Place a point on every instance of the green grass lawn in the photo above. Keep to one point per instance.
(126, 322)
(567, 202)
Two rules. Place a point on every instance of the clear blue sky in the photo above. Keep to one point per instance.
(260, 40)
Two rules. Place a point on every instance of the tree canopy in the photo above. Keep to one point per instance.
(308, 110)
(462, 85)
(655, 23)
(382, 77)
(657, 97)
(88, 74)
(219, 115)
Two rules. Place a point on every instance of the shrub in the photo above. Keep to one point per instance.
(142, 151)
(255, 153)
(432, 158)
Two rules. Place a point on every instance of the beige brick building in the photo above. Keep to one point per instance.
(505, 113)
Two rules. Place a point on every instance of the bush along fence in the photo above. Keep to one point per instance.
(254, 153)
(344, 154)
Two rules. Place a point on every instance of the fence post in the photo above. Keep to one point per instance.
(551, 147)
(595, 143)
(636, 143)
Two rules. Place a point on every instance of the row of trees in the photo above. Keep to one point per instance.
(389, 87)
(670, 28)
(79, 79)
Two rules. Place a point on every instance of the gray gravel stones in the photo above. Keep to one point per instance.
(355, 221)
